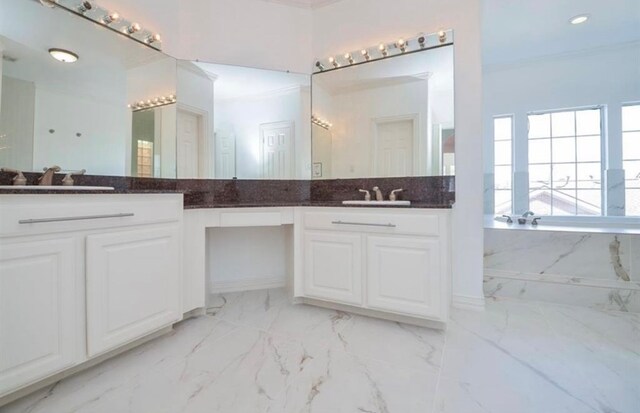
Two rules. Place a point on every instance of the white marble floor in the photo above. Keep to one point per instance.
(257, 353)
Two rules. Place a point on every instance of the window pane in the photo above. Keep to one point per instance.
(589, 202)
(502, 128)
(540, 151)
(503, 202)
(588, 122)
(539, 126)
(563, 124)
(631, 145)
(502, 153)
(589, 176)
(564, 202)
(588, 149)
(502, 178)
(632, 173)
(564, 176)
(632, 201)
(564, 150)
(539, 176)
(540, 201)
(631, 118)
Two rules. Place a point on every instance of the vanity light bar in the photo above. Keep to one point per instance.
(384, 50)
(109, 19)
(320, 122)
(152, 103)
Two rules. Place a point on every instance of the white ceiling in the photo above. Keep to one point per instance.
(310, 4)
(526, 29)
(235, 81)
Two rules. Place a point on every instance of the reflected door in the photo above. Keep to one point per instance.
(394, 148)
(225, 156)
(188, 142)
(276, 140)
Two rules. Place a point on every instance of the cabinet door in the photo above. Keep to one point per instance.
(404, 275)
(333, 266)
(38, 310)
(133, 285)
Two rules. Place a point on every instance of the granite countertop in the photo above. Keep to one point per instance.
(6, 191)
(424, 205)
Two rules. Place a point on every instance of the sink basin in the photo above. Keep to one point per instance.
(57, 188)
(378, 203)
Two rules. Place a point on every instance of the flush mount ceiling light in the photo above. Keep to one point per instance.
(579, 19)
(64, 56)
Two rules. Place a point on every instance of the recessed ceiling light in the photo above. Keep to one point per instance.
(579, 19)
(64, 56)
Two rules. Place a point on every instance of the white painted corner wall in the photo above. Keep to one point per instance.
(272, 36)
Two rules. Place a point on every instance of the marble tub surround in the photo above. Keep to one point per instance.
(587, 269)
(255, 352)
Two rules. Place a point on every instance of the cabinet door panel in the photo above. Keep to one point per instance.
(333, 266)
(37, 310)
(404, 275)
(133, 285)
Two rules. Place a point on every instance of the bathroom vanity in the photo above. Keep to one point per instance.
(83, 276)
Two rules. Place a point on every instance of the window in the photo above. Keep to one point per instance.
(565, 166)
(502, 170)
(145, 159)
(631, 157)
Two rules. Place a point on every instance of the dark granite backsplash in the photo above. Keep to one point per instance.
(438, 191)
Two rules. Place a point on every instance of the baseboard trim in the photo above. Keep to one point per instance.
(466, 302)
(248, 284)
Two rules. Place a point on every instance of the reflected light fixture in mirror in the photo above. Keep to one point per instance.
(579, 19)
(64, 56)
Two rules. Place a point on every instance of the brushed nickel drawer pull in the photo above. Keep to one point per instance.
(81, 218)
(363, 224)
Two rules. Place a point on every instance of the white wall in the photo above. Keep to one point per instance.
(251, 33)
(101, 148)
(242, 118)
(353, 24)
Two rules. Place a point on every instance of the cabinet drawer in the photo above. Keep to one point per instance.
(41, 214)
(374, 222)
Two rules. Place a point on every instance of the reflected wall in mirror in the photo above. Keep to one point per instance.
(244, 123)
(386, 118)
(77, 115)
(561, 108)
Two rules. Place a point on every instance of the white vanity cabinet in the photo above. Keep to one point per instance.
(81, 275)
(389, 261)
(38, 308)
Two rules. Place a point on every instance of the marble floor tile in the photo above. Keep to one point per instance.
(257, 353)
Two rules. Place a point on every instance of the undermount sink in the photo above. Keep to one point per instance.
(57, 188)
(381, 203)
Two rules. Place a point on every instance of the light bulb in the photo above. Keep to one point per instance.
(110, 18)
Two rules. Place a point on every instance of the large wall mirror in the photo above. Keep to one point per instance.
(111, 112)
(242, 123)
(392, 117)
(562, 108)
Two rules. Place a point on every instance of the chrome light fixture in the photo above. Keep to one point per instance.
(110, 18)
(84, 7)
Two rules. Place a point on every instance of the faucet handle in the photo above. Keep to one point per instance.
(509, 219)
(367, 194)
(68, 180)
(535, 220)
(19, 179)
(393, 196)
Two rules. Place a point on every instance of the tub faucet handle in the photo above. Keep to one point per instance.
(535, 221)
(509, 219)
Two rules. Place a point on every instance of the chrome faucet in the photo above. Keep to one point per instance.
(367, 194)
(47, 177)
(378, 192)
(19, 179)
